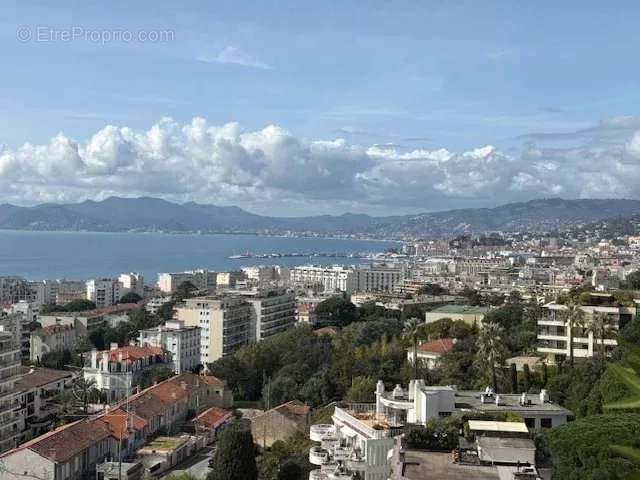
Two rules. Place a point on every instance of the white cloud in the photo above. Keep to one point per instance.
(271, 169)
(234, 56)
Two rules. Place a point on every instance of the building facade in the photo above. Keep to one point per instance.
(273, 311)
(53, 338)
(182, 342)
(11, 422)
(132, 283)
(225, 322)
(328, 278)
(104, 292)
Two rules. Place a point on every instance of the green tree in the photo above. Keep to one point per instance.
(362, 390)
(633, 280)
(79, 306)
(336, 311)
(130, 297)
(574, 318)
(514, 378)
(411, 334)
(184, 290)
(235, 457)
(491, 352)
(290, 470)
(601, 325)
(526, 374)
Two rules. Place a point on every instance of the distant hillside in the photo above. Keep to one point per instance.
(153, 214)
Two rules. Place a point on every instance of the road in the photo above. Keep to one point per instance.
(198, 465)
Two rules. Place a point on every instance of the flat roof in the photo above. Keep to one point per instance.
(461, 309)
(509, 402)
(489, 426)
(496, 442)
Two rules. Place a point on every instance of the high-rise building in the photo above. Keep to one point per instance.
(328, 278)
(379, 277)
(224, 321)
(104, 292)
(201, 279)
(11, 422)
(132, 283)
(274, 311)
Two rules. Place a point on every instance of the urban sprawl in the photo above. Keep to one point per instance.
(485, 357)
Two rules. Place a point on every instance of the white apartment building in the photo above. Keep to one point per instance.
(230, 279)
(330, 278)
(274, 311)
(553, 331)
(104, 292)
(224, 321)
(364, 435)
(132, 282)
(181, 341)
(52, 338)
(11, 421)
(155, 303)
(202, 279)
(379, 277)
(15, 289)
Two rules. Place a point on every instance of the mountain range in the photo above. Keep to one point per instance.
(117, 214)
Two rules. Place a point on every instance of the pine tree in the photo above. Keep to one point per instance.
(527, 377)
(514, 378)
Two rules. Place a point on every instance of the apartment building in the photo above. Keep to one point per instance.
(202, 279)
(132, 283)
(554, 331)
(72, 452)
(379, 277)
(53, 338)
(11, 422)
(328, 278)
(273, 311)
(363, 435)
(473, 266)
(182, 342)
(115, 370)
(155, 303)
(15, 289)
(104, 292)
(38, 389)
(89, 320)
(230, 279)
(225, 322)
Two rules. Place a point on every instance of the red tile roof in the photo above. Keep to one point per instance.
(33, 377)
(116, 422)
(293, 408)
(68, 441)
(51, 329)
(213, 417)
(440, 346)
(132, 353)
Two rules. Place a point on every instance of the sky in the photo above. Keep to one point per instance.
(298, 108)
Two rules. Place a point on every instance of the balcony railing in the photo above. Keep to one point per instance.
(364, 419)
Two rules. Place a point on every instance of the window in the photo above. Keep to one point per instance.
(546, 423)
(530, 422)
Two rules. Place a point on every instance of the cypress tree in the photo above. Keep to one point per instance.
(545, 375)
(235, 457)
(527, 377)
(514, 378)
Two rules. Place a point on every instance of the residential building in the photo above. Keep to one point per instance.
(116, 370)
(327, 278)
(30, 313)
(224, 321)
(469, 315)
(69, 290)
(554, 331)
(182, 342)
(87, 321)
(274, 311)
(132, 283)
(73, 451)
(261, 274)
(38, 388)
(155, 303)
(202, 279)
(52, 338)
(379, 277)
(429, 353)
(104, 292)
(211, 422)
(15, 289)
(280, 423)
(11, 422)
(229, 279)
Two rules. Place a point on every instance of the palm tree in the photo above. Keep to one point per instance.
(84, 390)
(600, 325)
(574, 318)
(491, 351)
(411, 332)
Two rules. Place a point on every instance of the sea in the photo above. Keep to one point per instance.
(83, 255)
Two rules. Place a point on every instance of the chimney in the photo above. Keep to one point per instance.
(523, 398)
(113, 346)
(497, 400)
(94, 358)
(544, 396)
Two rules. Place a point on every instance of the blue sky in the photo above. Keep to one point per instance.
(542, 82)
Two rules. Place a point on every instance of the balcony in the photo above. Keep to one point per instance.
(320, 432)
(317, 475)
(363, 419)
(318, 456)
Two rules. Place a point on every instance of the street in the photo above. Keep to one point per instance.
(197, 465)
